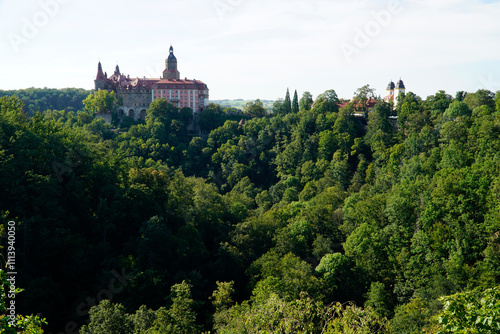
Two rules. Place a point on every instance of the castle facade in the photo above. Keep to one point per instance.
(135, 95)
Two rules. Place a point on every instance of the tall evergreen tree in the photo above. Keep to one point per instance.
(295, 103)
(287, 103)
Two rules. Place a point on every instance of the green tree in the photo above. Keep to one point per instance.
(286, 276)
(457, 109)
(438, 103)
(411, 115)
(279, 107)
(101, 102)
(274, 315)
(351, 319)
(497, 101)
(211, 118)
(327, 102)
(295, 103)
(19, 324)
(222, 297)
(143, 320)
(181, 313)
(255, 109)
(362, 96)
(379, 300)
(287, 103)
(411, 318)
(476, 311)
(306, 101)
(460, 95)
(337, 270)
(160, 111)
(480, 98)
(380, 130)
(108, 318)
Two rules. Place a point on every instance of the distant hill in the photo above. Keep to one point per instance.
(240, 103)
(42, 99)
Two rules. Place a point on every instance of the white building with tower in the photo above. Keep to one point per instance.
(393, 90)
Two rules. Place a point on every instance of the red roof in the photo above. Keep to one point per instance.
(119, 80)
(180, 84)
(369, 104)
(100, 75)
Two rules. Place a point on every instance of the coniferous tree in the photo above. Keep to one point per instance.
(295, 103)
(287, 103)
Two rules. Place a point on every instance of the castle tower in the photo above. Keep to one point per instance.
(100, 79)
(390, 89)
(171, 71)
(400, 88)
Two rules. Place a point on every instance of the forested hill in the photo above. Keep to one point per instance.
(307, 221)
(42, 99)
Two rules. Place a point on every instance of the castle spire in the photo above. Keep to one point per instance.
(171, 71)
(100, 74)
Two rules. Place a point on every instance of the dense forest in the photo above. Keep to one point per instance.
(306, 219)
(39, 100)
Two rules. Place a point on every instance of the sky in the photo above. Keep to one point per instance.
(249, 49)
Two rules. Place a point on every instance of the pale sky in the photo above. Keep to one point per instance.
(253, 49)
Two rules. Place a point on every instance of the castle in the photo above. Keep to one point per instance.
(135, 95)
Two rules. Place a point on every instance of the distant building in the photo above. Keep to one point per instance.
(368, 107)
(393, 91)
(135, 95)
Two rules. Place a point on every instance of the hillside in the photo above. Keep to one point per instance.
(42, 99)
(299, 222)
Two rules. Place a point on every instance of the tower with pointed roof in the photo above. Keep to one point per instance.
(100, 79)
(171, 72)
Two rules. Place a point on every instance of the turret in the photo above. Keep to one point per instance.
(100, 79)
(390, 89)
(399, 89)
(171, 71)
(400, 86)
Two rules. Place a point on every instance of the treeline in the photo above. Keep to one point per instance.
(42, 99)
(305, 221)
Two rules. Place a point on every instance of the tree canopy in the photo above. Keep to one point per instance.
(308, 221)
